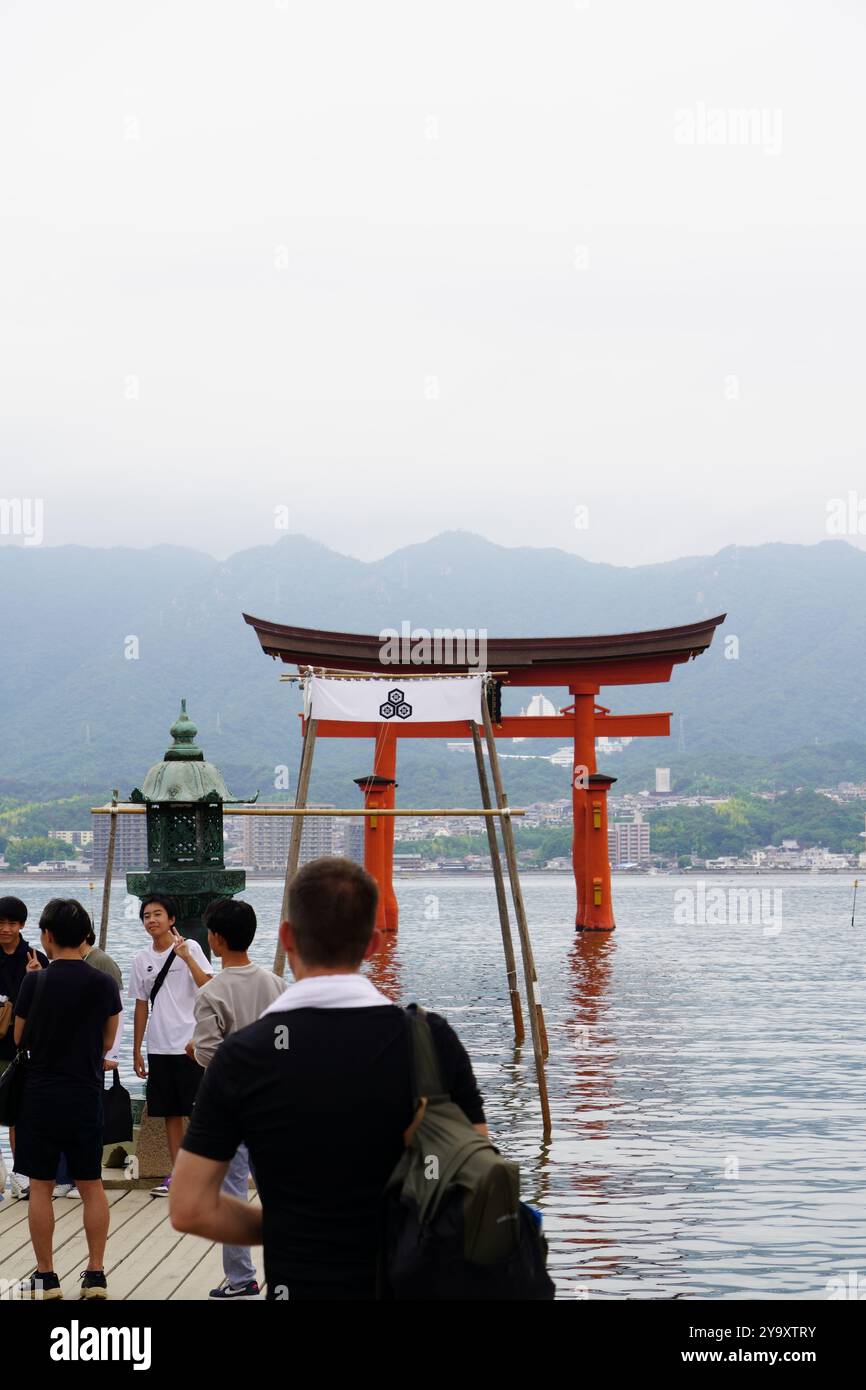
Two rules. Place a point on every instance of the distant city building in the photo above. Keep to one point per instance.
(791, 855)
(130, 845)
(820, 858)
(547, 812)
(663, 781)
(266, 840)
(563, 757)
(353, 838)
(538, 705)
(628, 842)
(72, 837)
(606, 746)
(409, 861)
(54, 866)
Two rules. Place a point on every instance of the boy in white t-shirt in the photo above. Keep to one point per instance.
(164, 987)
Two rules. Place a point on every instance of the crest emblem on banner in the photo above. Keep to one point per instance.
(395, 704)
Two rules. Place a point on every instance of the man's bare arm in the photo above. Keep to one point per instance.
(109, 1033)
(182, 951)
(138, 1026)
(197, 1205)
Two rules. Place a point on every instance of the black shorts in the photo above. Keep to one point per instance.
(172, 1082)
(51, 1122)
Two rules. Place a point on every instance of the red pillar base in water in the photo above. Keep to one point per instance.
(375, 791)
(595, 904)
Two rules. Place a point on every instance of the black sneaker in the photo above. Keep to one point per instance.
(93, 1284)
(40, 1285)
(230, 1293)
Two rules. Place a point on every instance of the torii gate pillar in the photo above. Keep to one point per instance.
(385, 767)
(589, 851)
(376, 791)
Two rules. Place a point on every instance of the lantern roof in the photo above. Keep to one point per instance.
(183, 774)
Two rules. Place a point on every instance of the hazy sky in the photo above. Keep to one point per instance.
(403, 267)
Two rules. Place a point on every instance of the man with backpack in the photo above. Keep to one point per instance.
(164, 981)
(320, 1089)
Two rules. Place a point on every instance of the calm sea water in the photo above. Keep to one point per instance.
(706, 1076)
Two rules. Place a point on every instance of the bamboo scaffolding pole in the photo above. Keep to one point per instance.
(434, 813)
(297, 832)
(109, 867)
(339, 674)
(501, 899)
(536, 1014)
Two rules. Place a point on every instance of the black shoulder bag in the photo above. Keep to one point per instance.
(12, 1080)
(116, 1112)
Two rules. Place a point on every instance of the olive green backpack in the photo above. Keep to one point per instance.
(454, 1226)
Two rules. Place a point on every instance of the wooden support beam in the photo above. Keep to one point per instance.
(297, 831)
(536, 1015)
(434, 812)
(109, 868)
(501, 900)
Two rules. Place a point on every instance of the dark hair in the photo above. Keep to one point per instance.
(13, 910)
(163, 899)
(90, 938)
(234, 921)
(67, 920)
(332, 909)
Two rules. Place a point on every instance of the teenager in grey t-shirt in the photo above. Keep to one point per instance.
(234, 998)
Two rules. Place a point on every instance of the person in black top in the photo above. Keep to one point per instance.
(16, 959)
(320, 1091)
(74, 1012)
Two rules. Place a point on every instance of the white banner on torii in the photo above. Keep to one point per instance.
(429, 701)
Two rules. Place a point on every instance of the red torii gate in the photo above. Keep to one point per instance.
(582, 664)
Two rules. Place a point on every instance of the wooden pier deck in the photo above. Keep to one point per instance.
(145, 1257)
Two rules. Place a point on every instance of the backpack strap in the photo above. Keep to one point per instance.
(423, 1058)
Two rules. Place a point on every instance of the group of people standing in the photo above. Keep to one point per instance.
(306, 1087)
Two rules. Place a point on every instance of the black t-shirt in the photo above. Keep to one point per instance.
(13, 968)
(323, 1119)
(65, 1042)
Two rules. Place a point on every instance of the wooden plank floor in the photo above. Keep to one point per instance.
(145, 1258)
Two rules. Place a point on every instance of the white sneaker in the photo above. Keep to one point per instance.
(20, 1186)
(62, 1189)
(73, 1192)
